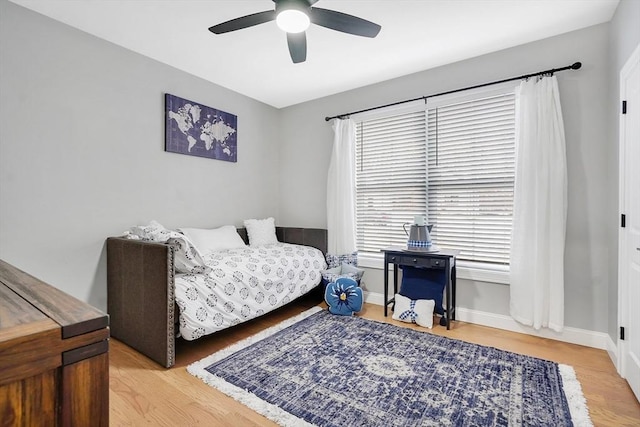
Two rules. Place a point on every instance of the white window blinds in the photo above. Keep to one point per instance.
(455, 162)
(471, 161)
(391, 177)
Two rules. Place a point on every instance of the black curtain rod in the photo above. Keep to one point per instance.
(574, 66)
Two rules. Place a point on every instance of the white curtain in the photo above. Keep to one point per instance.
(540, 207)
(341, 210)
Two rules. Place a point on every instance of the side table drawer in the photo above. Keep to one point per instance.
(417, 261)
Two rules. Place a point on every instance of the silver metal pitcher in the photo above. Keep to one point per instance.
(419, 236)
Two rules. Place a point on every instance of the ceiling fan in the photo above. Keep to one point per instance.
(294, 17)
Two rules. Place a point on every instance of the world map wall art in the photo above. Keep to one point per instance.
(197, 130)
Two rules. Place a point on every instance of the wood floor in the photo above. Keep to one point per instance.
(143, 393)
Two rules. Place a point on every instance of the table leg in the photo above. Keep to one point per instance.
(453, 291)
(395, 279)
(447, 287)
(386, 285)
(395, 284)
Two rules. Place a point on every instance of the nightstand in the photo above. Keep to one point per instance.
(441, 260)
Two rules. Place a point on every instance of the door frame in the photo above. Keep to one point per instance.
(623, 255)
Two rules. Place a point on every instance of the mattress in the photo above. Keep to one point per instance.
(242, 284)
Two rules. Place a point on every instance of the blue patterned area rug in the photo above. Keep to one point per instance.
(319, 369)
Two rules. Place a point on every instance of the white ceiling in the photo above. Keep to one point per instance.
(416, 35)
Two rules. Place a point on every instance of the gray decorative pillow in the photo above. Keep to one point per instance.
(334, 270)
(352, 270)
(343, 270)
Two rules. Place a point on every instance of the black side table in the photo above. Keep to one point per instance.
(443, 259)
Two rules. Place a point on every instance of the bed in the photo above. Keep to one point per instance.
(144, 277)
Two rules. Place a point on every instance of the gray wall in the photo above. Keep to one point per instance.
(624, 38)
(589, 156)
(82, 152)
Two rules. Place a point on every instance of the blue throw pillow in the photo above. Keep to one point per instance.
(343, 297)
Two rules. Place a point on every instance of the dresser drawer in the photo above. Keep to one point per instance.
(418, 261)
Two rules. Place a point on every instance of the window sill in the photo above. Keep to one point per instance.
(466, 270)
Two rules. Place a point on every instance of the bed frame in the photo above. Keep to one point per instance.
(140, 290)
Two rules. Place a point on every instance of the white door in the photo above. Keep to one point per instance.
(629, 249)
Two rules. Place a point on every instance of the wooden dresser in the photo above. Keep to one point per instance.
(54, 360)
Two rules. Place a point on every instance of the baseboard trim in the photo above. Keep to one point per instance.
(599, 340)
(373, 298)
(612, 349)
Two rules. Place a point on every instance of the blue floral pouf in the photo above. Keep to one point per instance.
(343, 297)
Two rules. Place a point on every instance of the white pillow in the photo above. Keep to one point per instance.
(261, 231)
(211, 240)
(414, 311)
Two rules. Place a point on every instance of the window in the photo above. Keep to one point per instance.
(391, 178)
(454, 162)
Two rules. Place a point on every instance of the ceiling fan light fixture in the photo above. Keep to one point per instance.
(293, 21)
(294, 17)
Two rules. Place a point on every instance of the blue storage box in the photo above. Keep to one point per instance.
(424, 283)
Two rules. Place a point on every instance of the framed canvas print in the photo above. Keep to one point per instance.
(197, 130)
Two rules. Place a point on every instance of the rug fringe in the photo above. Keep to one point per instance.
(272, 412)
(575, 398)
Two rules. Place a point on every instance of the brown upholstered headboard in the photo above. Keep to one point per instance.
(140, 289)
(314, 237)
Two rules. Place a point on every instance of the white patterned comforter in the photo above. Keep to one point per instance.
(241, 284)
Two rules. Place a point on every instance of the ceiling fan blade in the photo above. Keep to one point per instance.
(244, 22)
(297, 46)
(343, 22)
